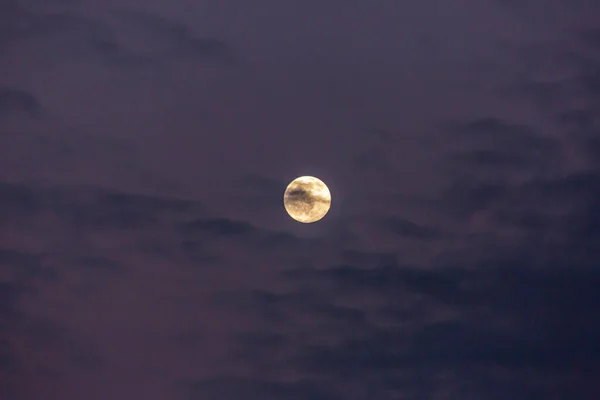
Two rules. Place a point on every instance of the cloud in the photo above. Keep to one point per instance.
(495, 130)
(202, 233)
(492, 159)
(116, 54)
(18, 270)
(175, 40)
(544, 194)
(404, 228)
(68, 33)
(235, 388)
(174, 229)
(218, 227)
(9, 294)
(12, 100)
(496, 148)
(500, 320)
(199, 253)
(94, 208)
(94, 262)
(59, 30)
(467, 197)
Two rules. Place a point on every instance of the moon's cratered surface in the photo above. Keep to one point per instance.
(307, 199)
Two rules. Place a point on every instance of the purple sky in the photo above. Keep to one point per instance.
(145, 252)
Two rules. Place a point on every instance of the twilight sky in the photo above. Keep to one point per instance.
(145, 252)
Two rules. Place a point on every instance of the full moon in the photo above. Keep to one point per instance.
(307, 199)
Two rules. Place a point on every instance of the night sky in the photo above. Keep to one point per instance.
(145, 252)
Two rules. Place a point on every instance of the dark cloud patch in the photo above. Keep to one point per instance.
(14, 100)
(251, 389)
(200, 254)
(9, 295)
(260, 348)
(496, 131)
(572, 98)
(584, 119)
(519, 290)
(291, 305)
(562, 208)
(94, 208)
(147, 203)
(157, 247)
(492, 159)
(116, 54)
(18, 270)
(466, 197)
(205, 49)
(219, 227)
(590, 80)
(16, 198)
(96, 263)
(513, 176)
(498, 319)
(285, 311)
(65, 149)
(22, 266)
(88, 37)
(19, 260)
(267, 304)
(86, 209)
(263, 340)
(384, 279)
(175, 40)
(102, 219)
(210, 230)
(64, 32)
(467, 353)
(495, 148)
(404, 228)
(575, 186)
(156, 24)
(368, 258)
(34, 21)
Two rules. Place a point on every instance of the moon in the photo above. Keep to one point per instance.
(307, 199)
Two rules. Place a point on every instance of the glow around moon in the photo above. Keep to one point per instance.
(307, 199)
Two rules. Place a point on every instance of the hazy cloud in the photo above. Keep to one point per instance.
(234, 388)
(12, 100)
(408, 229)
(173, 39)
